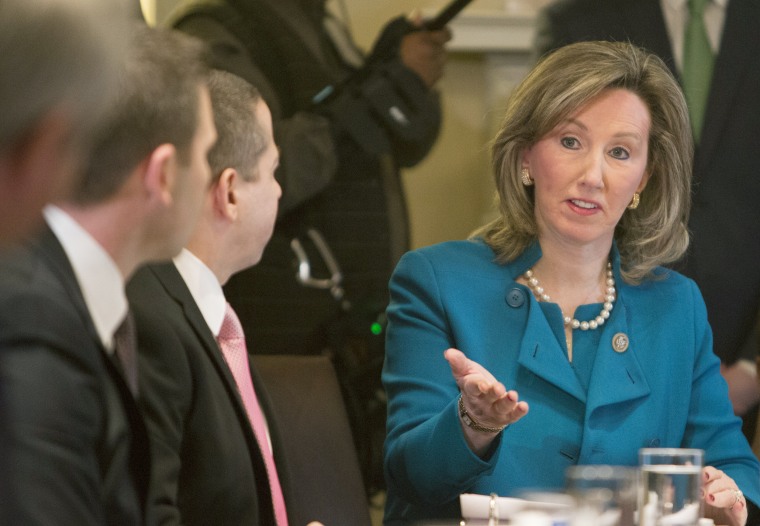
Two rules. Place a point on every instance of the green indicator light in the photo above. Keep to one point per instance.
(376, 328)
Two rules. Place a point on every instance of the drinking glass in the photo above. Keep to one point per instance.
(671, 482)
(603, 495)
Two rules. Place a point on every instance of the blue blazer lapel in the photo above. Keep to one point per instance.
(617, 376)
(541, 354)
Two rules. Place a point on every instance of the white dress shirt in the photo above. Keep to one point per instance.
(204, 287)
(207, 293)
(99, 278)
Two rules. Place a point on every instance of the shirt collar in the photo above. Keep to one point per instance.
(675, 4)
(205, 288)
(99, 278)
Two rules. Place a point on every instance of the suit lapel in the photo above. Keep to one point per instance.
(52, 252)
(175, 286)
(740, 38)
(616, 376)
(541, 354)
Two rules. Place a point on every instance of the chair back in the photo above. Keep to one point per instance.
(315, 453)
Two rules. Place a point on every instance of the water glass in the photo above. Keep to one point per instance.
(603, 495)
(670, 486)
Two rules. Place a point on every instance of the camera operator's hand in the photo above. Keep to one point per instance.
(424, 53)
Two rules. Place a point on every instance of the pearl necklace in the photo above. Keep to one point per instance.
(609, 300)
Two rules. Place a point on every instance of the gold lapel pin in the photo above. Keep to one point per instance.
(620, 342)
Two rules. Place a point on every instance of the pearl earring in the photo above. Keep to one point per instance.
(527, 180)
(634, 201)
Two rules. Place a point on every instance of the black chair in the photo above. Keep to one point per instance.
(317, 461)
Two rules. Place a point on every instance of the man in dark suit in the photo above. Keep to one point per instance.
(725, 217)
(63, 56)
(345, 124)
(58, 64)
(74, 439)
(210, 459)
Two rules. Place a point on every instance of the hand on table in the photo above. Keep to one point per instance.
(724, 503)
(486, 399)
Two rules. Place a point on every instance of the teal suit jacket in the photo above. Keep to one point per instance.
(664, 390)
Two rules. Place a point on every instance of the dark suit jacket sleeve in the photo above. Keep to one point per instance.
(52, 398)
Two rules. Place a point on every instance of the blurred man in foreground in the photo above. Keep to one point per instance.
(74, 439)
(58, 64)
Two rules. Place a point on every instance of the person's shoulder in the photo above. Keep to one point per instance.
(456, 250)
(159, 301)
(669, 285)
(204, 18)
(38, 308)
(145, 281)
(28, 280)
(469, 256)
(578, 7)
(194, 7)
(583, 14)
(151, 293)
(668, 277)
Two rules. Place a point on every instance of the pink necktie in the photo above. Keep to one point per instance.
(232, 342)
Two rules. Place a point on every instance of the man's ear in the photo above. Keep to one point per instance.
(225, 194)
(160, 173)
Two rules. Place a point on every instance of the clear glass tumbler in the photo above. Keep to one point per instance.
(670, 486)
(602, 495)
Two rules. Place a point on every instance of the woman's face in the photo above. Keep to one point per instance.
(587, 168)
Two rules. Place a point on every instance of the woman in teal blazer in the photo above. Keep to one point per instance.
(592, 169)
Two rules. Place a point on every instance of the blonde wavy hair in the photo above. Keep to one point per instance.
(561, 83)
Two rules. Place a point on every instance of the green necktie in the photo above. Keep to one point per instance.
(697, 65)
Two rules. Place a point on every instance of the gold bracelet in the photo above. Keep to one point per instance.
(473, 424)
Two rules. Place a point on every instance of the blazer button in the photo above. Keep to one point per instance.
(655, 442)
(515, 298)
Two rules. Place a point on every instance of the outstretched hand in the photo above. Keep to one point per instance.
(485, 398)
